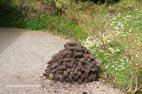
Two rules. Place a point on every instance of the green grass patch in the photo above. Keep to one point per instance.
(131, 20)
(55, 24)
(66, 27)
(116, 67)
(38, 23)
(113, 60)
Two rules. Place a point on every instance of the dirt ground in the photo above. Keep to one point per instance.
(23, 58)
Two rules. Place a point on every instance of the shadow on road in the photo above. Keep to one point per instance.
(8, 36)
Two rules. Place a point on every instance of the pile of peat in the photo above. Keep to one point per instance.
(73, 64)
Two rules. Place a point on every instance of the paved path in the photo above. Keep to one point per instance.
(23, 58)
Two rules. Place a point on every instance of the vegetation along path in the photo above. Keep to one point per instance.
(23, 58)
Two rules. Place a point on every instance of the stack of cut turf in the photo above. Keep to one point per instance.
(73, 64)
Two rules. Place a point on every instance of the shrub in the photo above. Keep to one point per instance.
(95, 1)
(102, 1)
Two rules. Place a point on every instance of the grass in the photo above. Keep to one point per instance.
(129, 24)
(114, 63)
(116, 42)
(55, 24)
(131, 20)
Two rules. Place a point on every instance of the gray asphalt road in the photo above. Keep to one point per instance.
(23, 58)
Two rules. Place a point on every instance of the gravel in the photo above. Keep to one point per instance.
(23, 58)
(87, 88)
